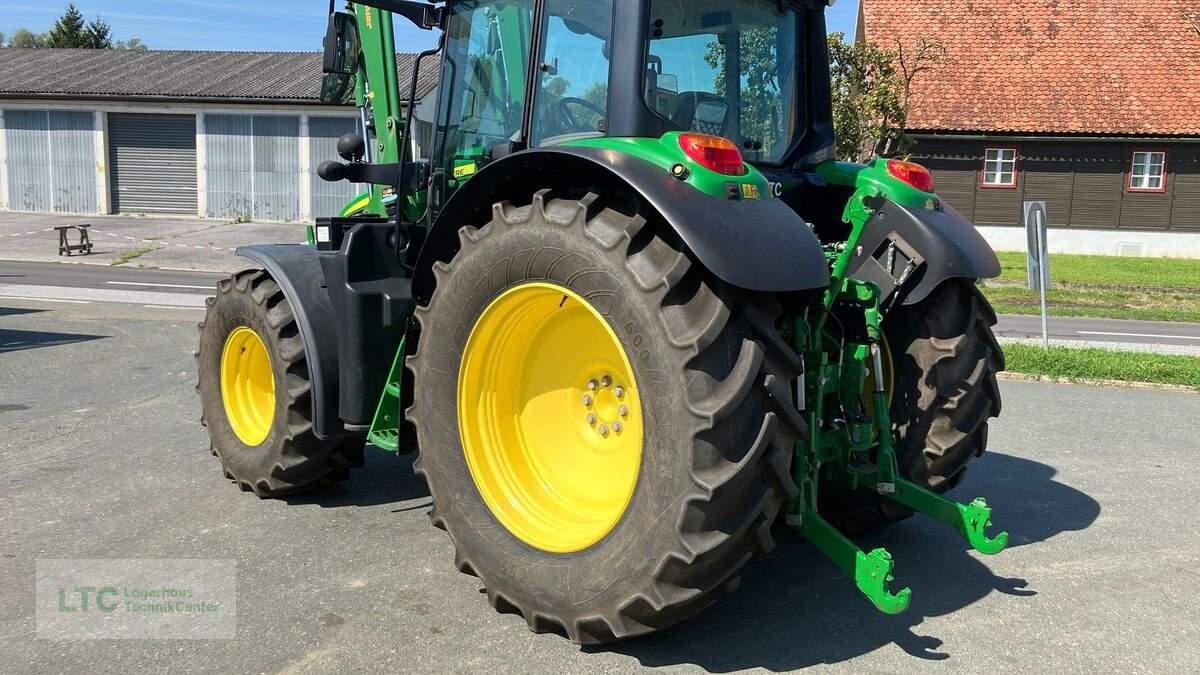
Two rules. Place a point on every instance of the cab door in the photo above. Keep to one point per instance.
(483, 89)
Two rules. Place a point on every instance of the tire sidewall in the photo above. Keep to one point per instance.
(627, 558)
(230, 311)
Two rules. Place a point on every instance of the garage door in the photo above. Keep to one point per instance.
(51, 160)
(253, 166)
(328, 198)
(152, 163)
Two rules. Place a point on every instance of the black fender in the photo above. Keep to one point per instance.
(297, 270)
(758, 245)
(946, 245)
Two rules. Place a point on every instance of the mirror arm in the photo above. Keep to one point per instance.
(423, 15)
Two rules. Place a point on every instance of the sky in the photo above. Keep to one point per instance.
(262, 25)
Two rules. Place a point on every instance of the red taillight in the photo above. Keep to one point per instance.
(913, 174)
(714, 152)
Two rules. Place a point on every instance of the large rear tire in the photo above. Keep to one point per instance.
(255, 393)
(945, 359)
(709, 389)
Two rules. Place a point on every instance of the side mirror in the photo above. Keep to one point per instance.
(342, 51)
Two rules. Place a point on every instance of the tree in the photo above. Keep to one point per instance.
(72, 32)
(99, 35)
(69, 31)
(872, 94)
(27, 39)
(132, 44)
(3, 39)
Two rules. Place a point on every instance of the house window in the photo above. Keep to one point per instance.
(1148, 173)
(1000, 167)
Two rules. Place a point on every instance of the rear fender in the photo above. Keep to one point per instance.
(942, 244)
(759, 245)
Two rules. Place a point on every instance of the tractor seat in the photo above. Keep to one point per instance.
(699, 111)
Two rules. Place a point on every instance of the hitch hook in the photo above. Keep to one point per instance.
(873, 574)
(976, 518)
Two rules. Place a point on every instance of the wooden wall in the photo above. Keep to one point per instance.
(1084, 183)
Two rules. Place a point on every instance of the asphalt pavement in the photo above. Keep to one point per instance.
(1165, 336)
(139, 241)
(101, 456)
(151, 289)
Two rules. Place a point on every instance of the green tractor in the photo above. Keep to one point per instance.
(627, 308)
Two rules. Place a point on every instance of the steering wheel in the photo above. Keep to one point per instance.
(563, 107)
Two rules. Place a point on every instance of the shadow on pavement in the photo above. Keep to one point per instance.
(21, 340)
(17, 311)
(795, 609)
(385, 479)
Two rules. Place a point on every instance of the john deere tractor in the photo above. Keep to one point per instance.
(625, 305)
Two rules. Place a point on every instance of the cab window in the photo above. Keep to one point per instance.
(572, 94)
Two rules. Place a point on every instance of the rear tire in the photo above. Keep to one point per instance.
(290, 458)
(945, 359)
(718, 426)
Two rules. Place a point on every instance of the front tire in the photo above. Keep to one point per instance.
(255, 393)
(717, 425)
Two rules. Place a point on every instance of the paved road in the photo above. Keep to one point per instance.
(171, 242)
(163, 289)
(101, 457)
(1102, 330)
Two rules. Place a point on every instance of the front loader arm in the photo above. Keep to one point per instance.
(378, 90)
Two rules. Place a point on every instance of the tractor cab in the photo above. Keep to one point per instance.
(527, 74)
(733, 69)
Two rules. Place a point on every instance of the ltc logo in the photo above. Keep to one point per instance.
(84, 595)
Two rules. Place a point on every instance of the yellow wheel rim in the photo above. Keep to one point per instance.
(247, 386)
(550, 418)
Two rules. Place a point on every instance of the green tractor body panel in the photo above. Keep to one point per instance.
(667, 154)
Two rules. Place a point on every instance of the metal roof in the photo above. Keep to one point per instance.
(251, 77)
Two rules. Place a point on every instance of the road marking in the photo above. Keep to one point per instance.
(136, 283)
(1141, 335)
(17, 297)
(103, 295)
(172, 307)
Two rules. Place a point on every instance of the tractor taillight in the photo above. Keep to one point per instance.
(714, 152)
(913, 174)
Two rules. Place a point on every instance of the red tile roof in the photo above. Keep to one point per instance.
(1051, 66)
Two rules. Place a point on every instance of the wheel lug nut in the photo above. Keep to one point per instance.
(603, 430)
(606, 381)
(624, 410)
(620, 392)
(587, 400)
(593, 385)
(591, 419)
(617, 427)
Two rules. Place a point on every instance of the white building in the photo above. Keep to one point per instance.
(215, 134)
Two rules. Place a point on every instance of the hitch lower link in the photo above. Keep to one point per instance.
(842, 445)
(872, 571)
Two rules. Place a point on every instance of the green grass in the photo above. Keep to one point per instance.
(1102, 364)
(1109, 272)
(1142, 305)
(1106, 287)
(136, 253)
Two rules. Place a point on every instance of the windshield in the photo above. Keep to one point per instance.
(728, 68)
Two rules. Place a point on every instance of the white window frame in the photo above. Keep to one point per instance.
(999, 162)
(1142, 164)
